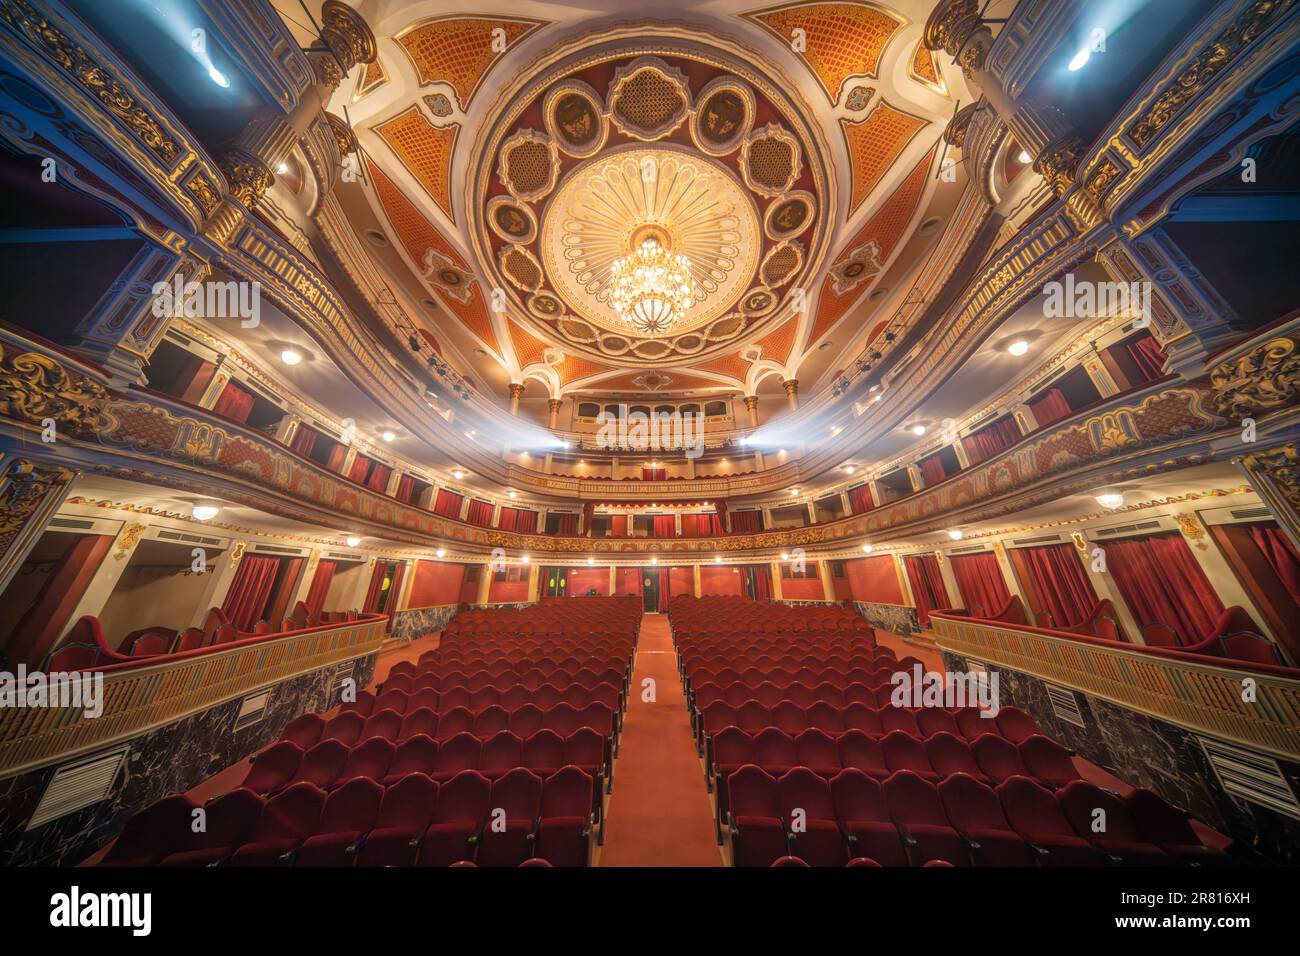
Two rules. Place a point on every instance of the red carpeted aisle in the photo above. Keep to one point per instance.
(659, 813)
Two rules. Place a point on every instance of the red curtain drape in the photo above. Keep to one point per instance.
(304, 440)
(337, 455)
(618, 526)
(405, 489)
(665, 587)
(394, 593)
(234, 403)
(447, 504)
(932, 470)
(1056, 582)
(526, 521)
(320, 586)
(250, 590)
(378, 480)
(1280, 553)
(762, 582)
(480, 513)
(359, 470)
(665, 526)
(1050, 407)
(509, 519)
(860, 499)
(927, 584)
(654, 474)
(992, 439)
(1147, 355)
(720, 509)
(588, 512)
(746, 522)
(566, 523)
(1161, 582)
(373, 590)
(979, 578)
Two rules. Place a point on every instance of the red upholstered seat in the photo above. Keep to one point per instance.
(815, 836)
(1034, 813)
(976, 813)
(1103, 819)
(406, 811)
(915, 807)
(564, 834)
(1047, 761)
(417, 754)
(274, 767)
(511, 831)
(1016, 725)
(322, 764)
(544, 752)
(499, 754)
(231, 819)
(757, 828)
(949, 754)
(904, 752)
(860, 808)
(1164, 825)
(159, 829)
(287, 820)
(998, 758)
(349, 813)
(464, 802)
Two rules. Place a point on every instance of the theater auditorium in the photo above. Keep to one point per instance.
(820, 435)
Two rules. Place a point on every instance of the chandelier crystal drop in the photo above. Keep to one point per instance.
(651, 289)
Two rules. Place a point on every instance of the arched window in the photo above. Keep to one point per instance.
(588, 409)
(715, 408)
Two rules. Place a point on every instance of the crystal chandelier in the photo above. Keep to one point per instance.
(651, 288)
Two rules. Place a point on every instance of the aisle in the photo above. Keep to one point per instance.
(659, 813)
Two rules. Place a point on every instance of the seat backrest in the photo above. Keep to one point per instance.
(1015, 724)
(912, 799)
(519, 794)
(816, 748)
(801, 788)
(1031, 809)
(409, 803)
(352, 807)
(292, 813)
(501, 752)
(231, 819)
(1159, 634)
(858, 797)
(752, 792)
(304, 730)
(415, 754)
(465, 798)
(160, 828)
(971, 805)
(567, 793)
(1082, 802)
(1159, 821)
(998, 757)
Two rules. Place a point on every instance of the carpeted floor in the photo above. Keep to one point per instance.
(659, 813)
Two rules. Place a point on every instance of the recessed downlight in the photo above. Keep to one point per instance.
(290, 356)
(1018, 347)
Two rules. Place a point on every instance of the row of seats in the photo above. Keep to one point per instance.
(519, 816)
(594, 616)
(350, 728)
(833, 688)
(731, 615)
(796, 665)
(476, 701)
(965, 722)
(909, 821)
(506, 676)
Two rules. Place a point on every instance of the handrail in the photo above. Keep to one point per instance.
(139, 697)
(1192, 691)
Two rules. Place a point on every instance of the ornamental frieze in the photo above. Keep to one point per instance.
(1264, 379)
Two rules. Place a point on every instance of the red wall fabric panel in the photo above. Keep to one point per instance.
(628, 581)
(320, 586)
(480, 513)
(932, 470)
(508, 592)
(721, 580)
(681, 581)
(860, 499)
(378, 480)
(248, 594)
(304, 440)
(1050, 407)
(804, 589)
(746, 522)
(234, 403)
(874, 580)
(360, 469)
(436, 582)
(405, 489)
(582, 580)
(992, 439)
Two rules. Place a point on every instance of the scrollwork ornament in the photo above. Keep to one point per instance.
(1265, 378)
(35, 387)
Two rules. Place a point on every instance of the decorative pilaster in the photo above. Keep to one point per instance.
(553, 405)
(247, 176)
(751, 406)
(1275, 476)
(791, 387)
(30, 493)
(516, 393)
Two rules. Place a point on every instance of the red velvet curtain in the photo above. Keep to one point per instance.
(234, 403)
(654, 474)
(932, 470)
(360, 469)
(304, 440)
(618, 526)
(1280, 553)
(1050, 407)
(746, 522)
(566, 523)
(378, 480)
(983, 590)
(762, 582)
(480, 513)
(405, 489)
(1147, 355)
(1056, 582)
(394, 592)
(927, 584)
(1162, 583)
(665, 587)
(860, 499)
(509, 519)
(376, 584)
(337, 455)
(588, 512)
(992, 439)
(526, 521)
(320, 586)
(246, 599)
(665, 526)
(447, 504)
(720, 508)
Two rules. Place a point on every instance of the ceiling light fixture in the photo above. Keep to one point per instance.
(1112, 499)
(525, 559)
(388, 436)
(290, 357)
(1024, 159)
(867, 548)
(918, 429)
(654, 560)
(512, 494)
(849, 469)
(352, 540)
(1018, 347)
(441, 552)
(650, 288)
(717, 559)
(204, 512)
(282, 168)
(591, 560)
(218, 77)
(458, 474)
(1079, 60)
(956, 535)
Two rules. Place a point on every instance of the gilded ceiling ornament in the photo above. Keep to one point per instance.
(1265, 378)
(204, 192)
(648, 99)
(446, 275)
(575, 118)
(954, 26)
(771, 161)
(856, 268)
(954, 134)
(1057, 164)
(439, 105)
(247, 176)
(529, 165)
(724, 115)
(1191, 527)
(34, 387)
(789, 215)
(344, 138)
(512, 220)
(781, 263)
(858, 99)
(127, 540)
(347, 34)
(237, 552)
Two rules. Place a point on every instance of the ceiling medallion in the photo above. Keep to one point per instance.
(648, 99)
(650, 288)
(691, 205)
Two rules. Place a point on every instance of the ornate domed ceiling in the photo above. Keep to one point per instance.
(787, 153)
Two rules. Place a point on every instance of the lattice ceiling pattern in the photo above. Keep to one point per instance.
(459, 51)
(425, 150)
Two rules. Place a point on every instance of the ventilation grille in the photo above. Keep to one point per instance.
(327, 430)
(1129, 529)
(983, 421)
(187, 538)
(341, 673)
(274, 549)
(969, 548)
(1254, 777)
(78, 785)
(1065, 705)
(72, 524)
(342, 556)
(1041, 539)
(252, 709)
(1039, 384)
(1247, 514)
